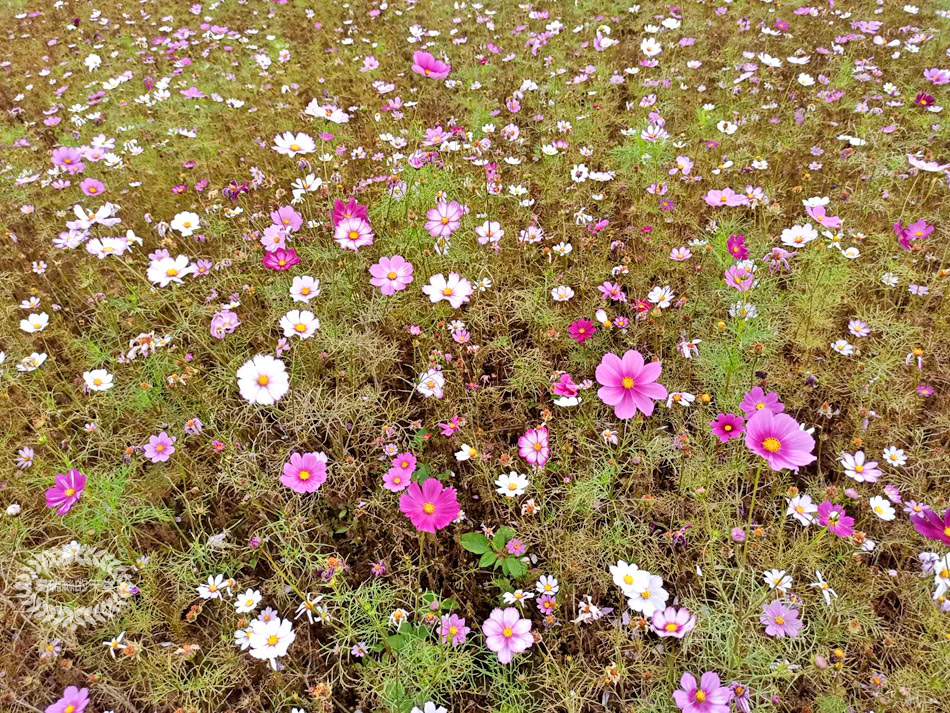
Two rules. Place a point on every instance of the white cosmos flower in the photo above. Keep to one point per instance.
(623, 574)
(431, 383)
(304, 288)
(511, 484)
(269, 640)
(248, 601)
(648, 593)
(169, 269)
(35, 322)
(263, 379)
(186, 223)
(98, 380)
(455, 290)
(882, 508)
(299, 323)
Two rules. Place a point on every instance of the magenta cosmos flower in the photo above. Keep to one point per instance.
(533, 446)
(582, 330)
(777, 438)
(507, 634)
(74, 700)
(835, 519)
(932, 526)
(727, 426)
(706, 697)
(281, 259)
(430, 507)
(444, 219)
(159, 448)
(305, 472)
(391, 274)
(628, 384)
(65, 493)
(425, 65)
(673, 622)
(779, 620)
(757, 400)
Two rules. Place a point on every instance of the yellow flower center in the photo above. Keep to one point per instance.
(353, 235)
(295, 147)
(627, 579)
(172, 273)
(700, 697)
(304, 475)
(70, 492)
(772, 445)
(69, 709)
(628, 383)
(447, 291)
(263, 380)
(645, 594)
(507, 632)
(391, 275)
(445, 221)
(272, 640)
(453, 630)
(780, 620)
(97, 382)
(187, 224)
(397, 481)
(301, 327)
(859, 469)
(537, 446)
(305, 291)
(671, 627)
(428, 508)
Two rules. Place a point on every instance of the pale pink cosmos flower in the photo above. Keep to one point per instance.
(444, 219)
(391, 274)
(455, 289)
(507, 634)
(353, 233)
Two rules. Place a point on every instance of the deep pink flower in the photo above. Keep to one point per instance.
(628, 384)
(430, 507)
(673, 622)
(399, 475)
(533, 446)
(305, 472)
(281, 259)
(757, 400)
(65, 493)
(727, 426)
(932, 526)
(582, 330)
(425, 65)
(74, 700)
(779, 620)
(342, 212)
(391, 274)
(736, 247)
(778, 439)
(159, 448)
(705, 697)
(507, 634)
(919, 230)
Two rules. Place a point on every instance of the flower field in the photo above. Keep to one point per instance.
(420, 357)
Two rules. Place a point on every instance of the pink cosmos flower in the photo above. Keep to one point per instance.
(817, 214)
(507, 634)
(66, 492)
(919, 230)
(453, 629)
(159, 448)
(859, 468)
(705, 697)
(725, 197)
(399, 475)
(565, 387)
(533, 446)
(757, 400)
(628, 384)
(305, 472)
(932, 526)
(287, 218)
(736, 247)
(91, 187)
(673, 622)
(74, 700)
(71, 159)
(727, 426)
(780, 621)
(936, 76)
(281, 259)
(739, 278)
(430, 507)
(778, 439)
(425, 65)
(353, 233)
(444, 219)
(582, 330)
(391, 274)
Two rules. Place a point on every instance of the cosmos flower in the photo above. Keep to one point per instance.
(507, 634)
(430, 507)
(305, 472)
(778, 439)
(263, 380)
(706, 696)
(391, 274)
(779, 620)
(628, 384)
(425, 65)
(66, 491)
